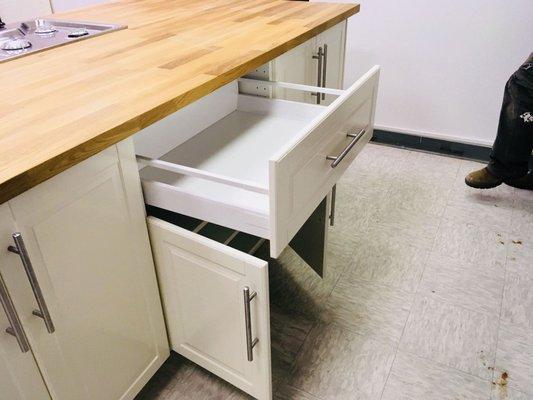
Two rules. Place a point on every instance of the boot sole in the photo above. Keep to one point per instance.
(483, 186)
(523, 187)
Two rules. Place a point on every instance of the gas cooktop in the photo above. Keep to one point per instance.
(23, 38)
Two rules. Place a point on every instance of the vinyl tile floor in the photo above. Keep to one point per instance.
(428, 294)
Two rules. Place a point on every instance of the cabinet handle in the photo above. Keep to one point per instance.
(332, 207)
(337, 159)
(250, 344)
(324, 69)
(15, 327)
(320, 57)
(42, 312)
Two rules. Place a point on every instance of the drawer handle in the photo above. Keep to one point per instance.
(320, 57)
(250, 344)
(15, 327)
(42, 312)
(332, 206)
(337, 159)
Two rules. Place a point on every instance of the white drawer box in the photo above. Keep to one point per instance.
(257, 165)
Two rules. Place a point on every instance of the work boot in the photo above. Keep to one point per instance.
(523, 182)
(482, 179)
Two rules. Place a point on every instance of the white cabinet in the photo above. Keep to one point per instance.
(317, 62)
(264, 165)
(332, 44)
(19, 375)
(19, 10)
(87, 244)
(296, 66)
(256, 167)
(216, 303)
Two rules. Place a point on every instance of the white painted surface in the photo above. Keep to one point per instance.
(175, 129)
(64, 5)
(276, 144)
(299, 66)
(19, 10)
(86, 235)
(301, 176)
(202, 284)
(444, 65)
(20, 378)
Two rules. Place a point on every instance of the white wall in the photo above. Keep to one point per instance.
(64, 5)
(18, 10)
(444, 63)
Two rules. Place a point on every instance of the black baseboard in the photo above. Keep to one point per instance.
(470, 151)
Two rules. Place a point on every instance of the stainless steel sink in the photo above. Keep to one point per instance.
(28, 37)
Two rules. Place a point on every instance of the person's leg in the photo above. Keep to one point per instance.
(514, 141)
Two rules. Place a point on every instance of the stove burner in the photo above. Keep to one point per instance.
(16, 44)
(78, 33)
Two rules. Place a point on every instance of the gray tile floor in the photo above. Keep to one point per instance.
(428, 294)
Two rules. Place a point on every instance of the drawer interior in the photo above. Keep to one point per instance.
(240, 241)
(256, 165)
(236, 148)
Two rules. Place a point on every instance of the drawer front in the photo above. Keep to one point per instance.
(202, 285)
(302, 175)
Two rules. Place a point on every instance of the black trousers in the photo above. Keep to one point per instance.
(514, 141)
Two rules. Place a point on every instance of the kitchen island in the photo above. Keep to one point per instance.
(228, 124)
(66, 104)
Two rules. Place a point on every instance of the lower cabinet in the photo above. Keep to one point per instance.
(19, 375)
(317, 62)
(215, 294)
(78, 269)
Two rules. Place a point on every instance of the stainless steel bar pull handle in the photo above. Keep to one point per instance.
(15, 327)
(42, 312)
(337, 159)
(333, 204)
(250, 343)
(320, 57)
(324, 69)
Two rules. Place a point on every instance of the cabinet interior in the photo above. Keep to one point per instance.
(241, 241)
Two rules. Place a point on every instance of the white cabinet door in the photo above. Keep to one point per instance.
(18, 10)
(317, 62)
(333, 44)
(86, 237)
(20, 378)
(202, 286)
(296, 66)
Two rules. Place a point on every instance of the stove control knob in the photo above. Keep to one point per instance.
(78, 33)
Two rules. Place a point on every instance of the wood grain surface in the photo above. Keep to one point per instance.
(64, 105)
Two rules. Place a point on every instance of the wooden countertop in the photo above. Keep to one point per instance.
(64, 105)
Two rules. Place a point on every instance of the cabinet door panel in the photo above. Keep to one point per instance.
(296, 66)
(335, 40)
(20, 378)
(202, 283)
(86, 238)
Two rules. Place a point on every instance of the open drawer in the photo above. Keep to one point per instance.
(215, 298)
(257, 165)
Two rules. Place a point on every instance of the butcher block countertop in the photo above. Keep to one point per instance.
(66, 104)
